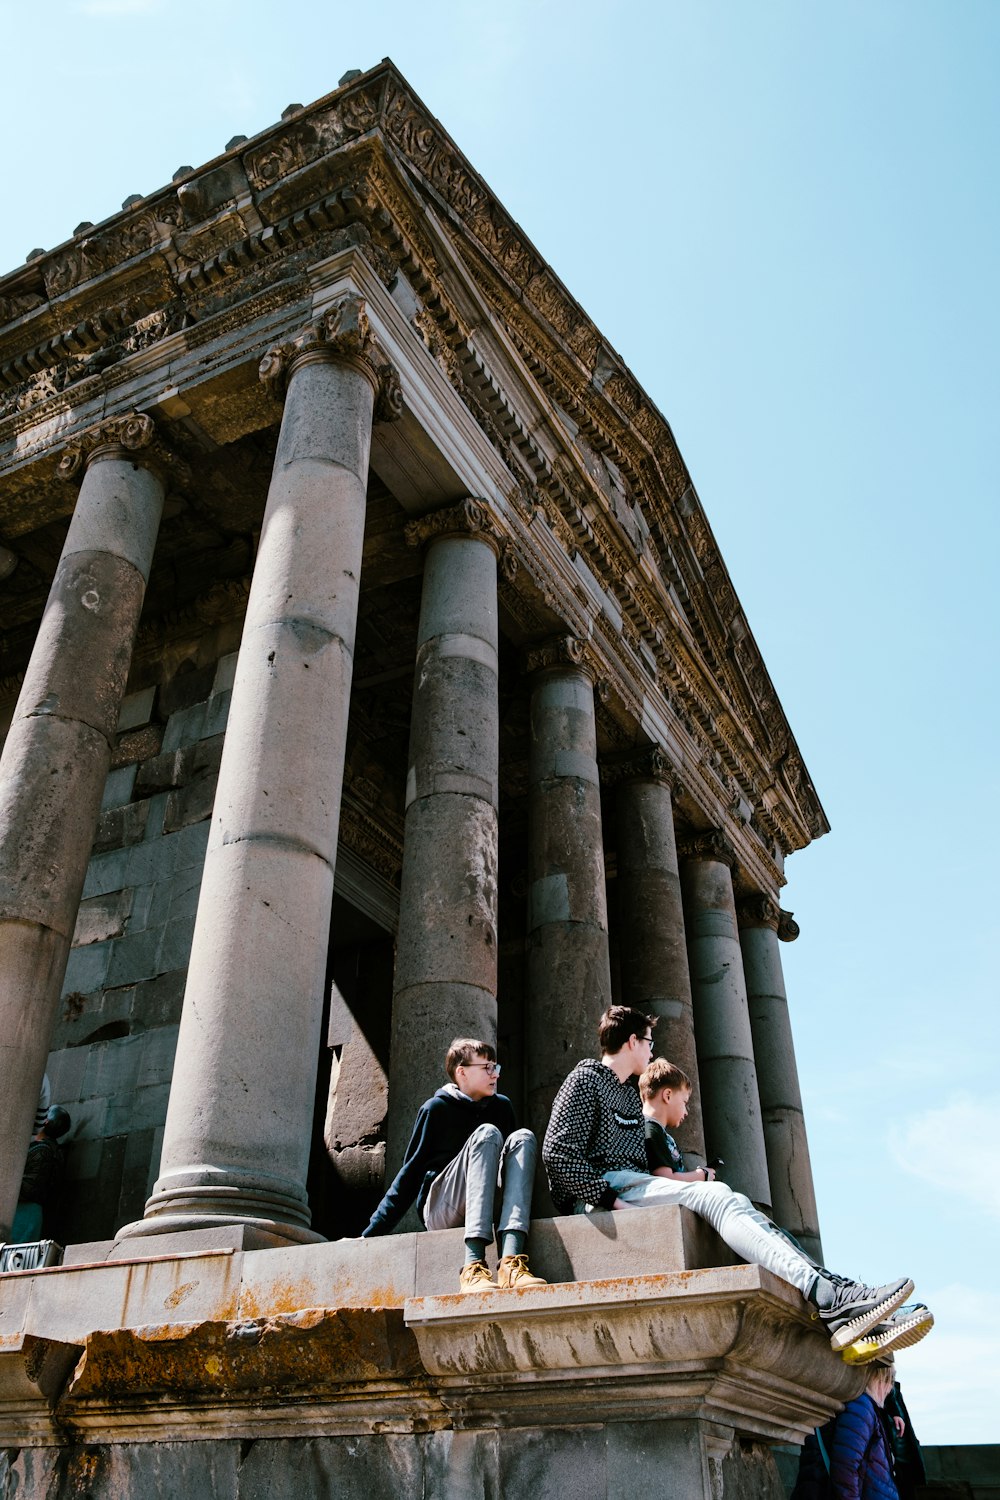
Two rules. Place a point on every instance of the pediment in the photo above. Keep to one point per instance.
(589, 455)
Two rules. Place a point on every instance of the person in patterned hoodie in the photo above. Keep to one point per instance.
(595, 1157)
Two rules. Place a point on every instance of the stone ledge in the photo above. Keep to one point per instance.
(733, 1345)
(306, 1340)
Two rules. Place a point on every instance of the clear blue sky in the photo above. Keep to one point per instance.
(785, 218)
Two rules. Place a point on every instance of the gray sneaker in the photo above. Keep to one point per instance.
(857, 1309)
(900, 1330)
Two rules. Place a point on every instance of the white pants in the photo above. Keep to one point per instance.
(744, 1228)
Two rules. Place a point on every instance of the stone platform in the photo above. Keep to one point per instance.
(358, 1359)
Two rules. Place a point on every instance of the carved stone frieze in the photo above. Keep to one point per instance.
(367, 162)
(343, 332)
(708, 843)
(151, 227)
(370, 840)
(757, 910)
(134, 434)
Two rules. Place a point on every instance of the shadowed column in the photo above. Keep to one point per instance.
(569, 973)
(58, 751)
(793, 1199)
(652, 951)
(446, 953)
(730, 1103)
(237, 1134)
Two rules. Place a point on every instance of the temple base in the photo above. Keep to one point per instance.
(234, 1373)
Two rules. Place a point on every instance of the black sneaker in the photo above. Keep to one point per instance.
(900, 1330)
(856, 1309)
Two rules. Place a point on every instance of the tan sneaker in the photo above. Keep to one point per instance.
(475, 1277)
(513, 1272)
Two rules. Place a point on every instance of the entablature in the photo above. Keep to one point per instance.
(509, 394)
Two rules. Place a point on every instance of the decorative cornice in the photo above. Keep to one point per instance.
(369, 158)
(469, 518)
(649, 764)
(757, 910)
(709, 844)
(133, 435)
(788, 928)
(342, 333)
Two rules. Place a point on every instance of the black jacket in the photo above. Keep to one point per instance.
(441, 1129)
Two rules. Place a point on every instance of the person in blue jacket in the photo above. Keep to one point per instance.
(851, 1457)
(468, 1165)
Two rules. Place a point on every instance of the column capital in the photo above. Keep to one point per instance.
(788, 928)
(562, 651)
(132, 436)
(651, 763)
(342, 332)
(758, 910)
(471, 517)
(707, 843)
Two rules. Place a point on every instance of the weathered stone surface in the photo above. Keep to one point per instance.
(247, 1051)
(54, 765)
(446, 950)
(652, 949)
(569, 977)
(730, 1103)
(793, 1197)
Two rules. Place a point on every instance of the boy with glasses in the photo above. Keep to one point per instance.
(595, 1156)
(468, 1165)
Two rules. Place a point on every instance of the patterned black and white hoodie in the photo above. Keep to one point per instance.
(596, 1127)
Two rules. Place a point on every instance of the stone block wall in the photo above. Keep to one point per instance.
(113, 1049)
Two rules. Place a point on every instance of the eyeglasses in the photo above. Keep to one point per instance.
(648, 1039)
(492, 1068)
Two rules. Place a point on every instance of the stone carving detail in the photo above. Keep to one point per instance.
(757, 910)
(98, 253)
(709, 843)
(649, 764)
(469, 517)
(16, 304)
(788, 928)
(370, 841)
(343, 332)
(135, 433)
(508, 562)
(560, 651)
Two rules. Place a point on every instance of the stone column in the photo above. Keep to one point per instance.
(653, 953)
(446, 951)
(58, 751)
(237, 1133)
(569, 972)
(730, 1102)
(793, 1199)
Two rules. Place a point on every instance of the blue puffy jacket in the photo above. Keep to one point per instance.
(860, 1466)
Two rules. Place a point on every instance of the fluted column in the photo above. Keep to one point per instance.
(239, 1119)
(730, 1101)
(58, 751)
(793, 1199)
(652, 950)
(446, 952)
(569, 973)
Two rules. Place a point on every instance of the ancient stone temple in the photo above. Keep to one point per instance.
(369, 676)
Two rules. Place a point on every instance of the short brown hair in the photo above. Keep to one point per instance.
(662, 1075)
(461, 1052)
(618, 1023)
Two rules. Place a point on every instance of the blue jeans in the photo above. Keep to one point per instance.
(489, 1182)
(745, 1229)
